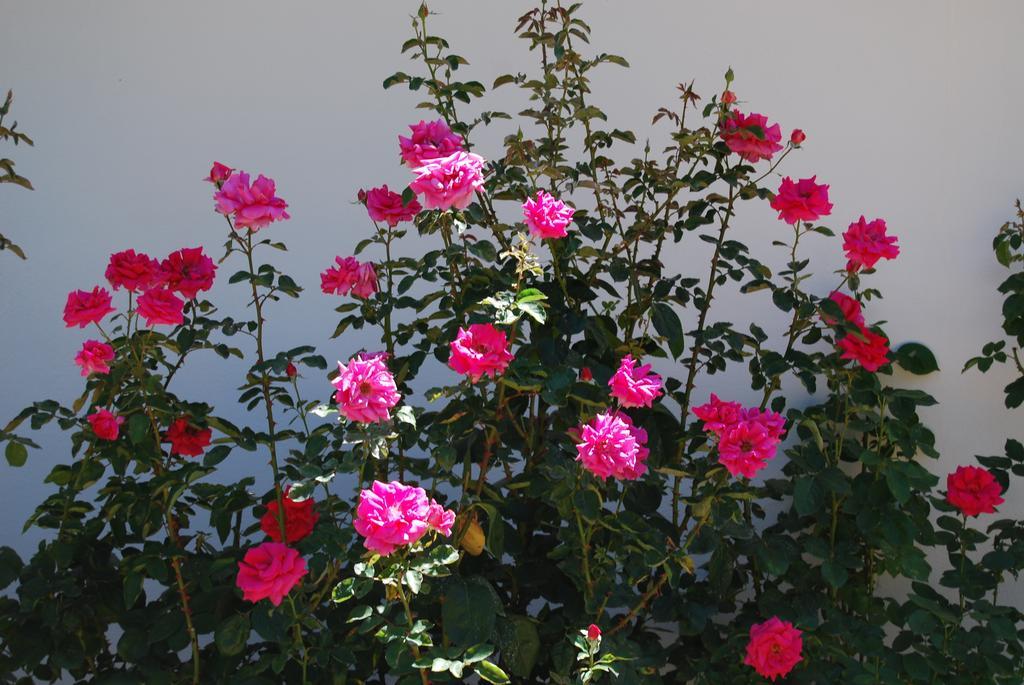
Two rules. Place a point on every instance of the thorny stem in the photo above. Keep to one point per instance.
(408, 616)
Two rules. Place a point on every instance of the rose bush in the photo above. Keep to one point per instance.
(573, 499)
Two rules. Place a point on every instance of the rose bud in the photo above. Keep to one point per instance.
(585, 375)
(291, 371)
(593, 633)
(728, 97)
(797, 137)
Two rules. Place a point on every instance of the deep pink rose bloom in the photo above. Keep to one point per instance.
(339, 279)
(797, 137)
(299, 519)
(973, 491)
(218, 174)
(593, 633)
(635, 386)
(449, 181)
(775, 648)
(430, 140)
(739, 135)
(188, 271)
(868, 349)
(611, 446)
(133, 271)
(365, 284)
(547, 216)
(386, 205)
(865, 242)
(804, 200)
(365, 389)
(105, 424)
(93, 357)
(849, 307)
(745, 448)
(84, 307)
(160, 306)
(186, 439)
(393, 515)
(719, 416)
(478, 351)
(773, 422)
(253, 207)
(269, 571)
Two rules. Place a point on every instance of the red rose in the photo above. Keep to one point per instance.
(186, 439)
(299, 519)
(973, 491)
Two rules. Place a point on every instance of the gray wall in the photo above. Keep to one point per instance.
(912, 112)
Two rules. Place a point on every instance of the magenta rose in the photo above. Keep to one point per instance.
(849, 307)
(94, 357)
(365, 284)
(865, 242)
(269, 571)
(868, 349)
(188, 271)
(449, 181)
(252, 206)
(218, 174)
(393, 515)
(160, 306)
(478, 351)
(750, 136)
(775, 647)
(133, 271)
(746, 447)
(387, 206)
(718, 416)
(365, 390)
(611, 446)
(105, 424)
(804, 200)
(430, 140)
(85, 307)
(547, 216)
(635, 386)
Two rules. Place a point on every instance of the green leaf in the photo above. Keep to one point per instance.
(807, 496)
(232, 635)
(519, 643)
(668, 325)
(469, 610)
(138, 426)
(491, 673)
(16, 454)
(477, 653)
(916, 359)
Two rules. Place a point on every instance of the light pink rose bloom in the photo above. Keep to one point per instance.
(188, 271)
(719, 416)
(252, 206)
(365, 389)
(269, 571)
(160, 306)
(849, 307)
(775, 647)
(804, 200)
(868, 349)
(611, 446)
(478, 351)
(430, 140)
(633, 386)
(547, 216)
(365, 284)
(449, 181)
(84, 307)
(133, 271)
(218, 174)
(386, 205)
(105, 424)
(339, 279)
(738, 132)
(745, 448)
(94, 356)
(393, 515)
(865, 242)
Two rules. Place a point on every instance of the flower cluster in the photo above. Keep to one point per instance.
(393, 515)
(747, 438)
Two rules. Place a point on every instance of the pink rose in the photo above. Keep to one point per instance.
(393, 515)
(612, 446)
(430, 140)
(775, 648)
(218, 174)
(84, 307)
(728, 97)
(132, 271)
(386, 205)
(449, 181)
(339, 279)
(105, 424)
(188, 271)
(868, 349)
(269, 571)
(160, 306)
(253, 207)
(365, 389)
(750, 136)
(973, 491)
(478, 351)
(635, 387)
(365, 284)
(773, 422)
(719, 416)
(865, 242)
(797, 137)
(849, 307)
(547, 216)
(745, 448)
(804, 200)
(94, 356)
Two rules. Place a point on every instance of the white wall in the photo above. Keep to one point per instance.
(911, 110)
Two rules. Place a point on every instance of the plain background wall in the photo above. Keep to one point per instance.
(912, 112)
